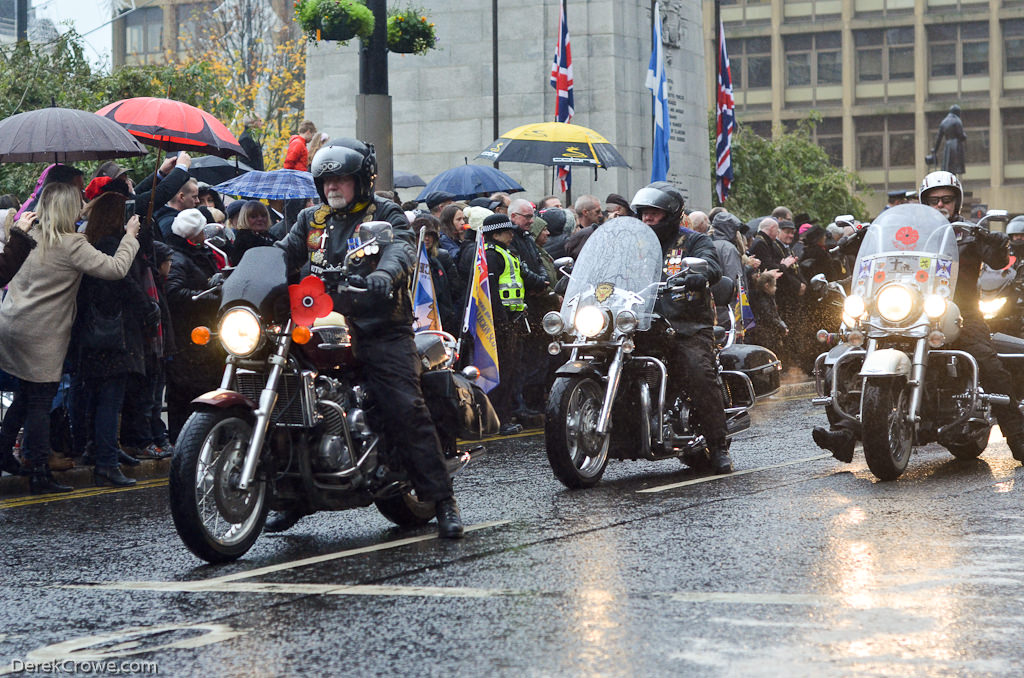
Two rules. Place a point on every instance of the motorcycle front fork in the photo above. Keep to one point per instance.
(268, 398)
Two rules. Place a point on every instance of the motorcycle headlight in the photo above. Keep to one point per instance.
(989, 307)
(934, 306)
(590, 321)
(854, 306)
(552, 323)
(626, 321)
(240, 332)
(895, 303)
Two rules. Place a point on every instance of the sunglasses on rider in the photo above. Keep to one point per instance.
(934, 200)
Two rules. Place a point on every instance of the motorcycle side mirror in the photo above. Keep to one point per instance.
(818, 283)
(695, 264)
(1001, 216)
(846, 220)
(564, 264)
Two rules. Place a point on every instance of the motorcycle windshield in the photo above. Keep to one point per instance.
(912, 244)
(260, 278)
(618, 269)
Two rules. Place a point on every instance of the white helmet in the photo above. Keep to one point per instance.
(941, 179)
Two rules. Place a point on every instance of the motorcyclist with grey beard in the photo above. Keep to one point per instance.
(381, 322)
(688, 342)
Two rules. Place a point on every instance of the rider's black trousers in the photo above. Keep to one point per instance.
(692, 369)
(391, 376)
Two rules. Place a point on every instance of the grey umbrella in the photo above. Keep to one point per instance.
(408, 180)
(64, 135)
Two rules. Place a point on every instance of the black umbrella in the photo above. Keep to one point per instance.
(64, 135)
(408, 180)
(214, 170)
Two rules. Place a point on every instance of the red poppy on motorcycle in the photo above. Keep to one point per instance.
(921, 276)
(309, 300)
(907, 236)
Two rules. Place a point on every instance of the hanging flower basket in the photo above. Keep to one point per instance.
(409, 32)
(339, 20)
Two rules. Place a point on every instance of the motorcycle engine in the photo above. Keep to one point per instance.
(332, 453)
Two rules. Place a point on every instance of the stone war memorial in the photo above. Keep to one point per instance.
(443, 102)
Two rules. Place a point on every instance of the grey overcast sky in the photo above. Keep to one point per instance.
(88, 17)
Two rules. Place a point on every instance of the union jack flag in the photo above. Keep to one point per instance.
(561, 80)
(726, 120)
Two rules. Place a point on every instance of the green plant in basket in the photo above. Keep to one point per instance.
(409, 32)
(339, 20)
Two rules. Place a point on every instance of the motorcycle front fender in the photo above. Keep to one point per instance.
(886, 362)
(584, 367)
(223, 398)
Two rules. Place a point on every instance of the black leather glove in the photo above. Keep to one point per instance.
(695, 281)
(216, 280)
(994, 239)
(379, 283)
(356, 281)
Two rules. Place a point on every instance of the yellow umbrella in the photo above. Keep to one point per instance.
(554, 143)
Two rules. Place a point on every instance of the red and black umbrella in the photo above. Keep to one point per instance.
(173, 125)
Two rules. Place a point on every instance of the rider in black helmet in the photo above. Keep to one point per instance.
(344, 172)
(689, 342)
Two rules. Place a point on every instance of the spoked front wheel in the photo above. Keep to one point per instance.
(578, 454)
(217, 521)
(888, 433)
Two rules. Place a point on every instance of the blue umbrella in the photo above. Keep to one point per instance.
(469, 181)
(408, 180)
(282, 184)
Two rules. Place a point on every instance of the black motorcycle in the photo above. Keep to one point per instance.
(290, 428)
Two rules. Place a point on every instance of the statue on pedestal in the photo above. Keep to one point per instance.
(952, 128)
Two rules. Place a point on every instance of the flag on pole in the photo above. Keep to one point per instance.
(424, 300)
(658, 84)
(480, 323)
(561, 80)
(746, 319)
(726, 120)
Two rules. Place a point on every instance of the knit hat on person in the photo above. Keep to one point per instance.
(537, 227)
(233, 208)
(804, 228)
(161, 252)
(475, 216)
(497, 222)
(188, 224)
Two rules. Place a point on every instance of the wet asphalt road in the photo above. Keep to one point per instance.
(799, 566)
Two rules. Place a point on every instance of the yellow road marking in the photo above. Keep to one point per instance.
(32, 500)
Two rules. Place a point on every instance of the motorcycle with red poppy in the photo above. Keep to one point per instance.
(891, 377)
(290, 429)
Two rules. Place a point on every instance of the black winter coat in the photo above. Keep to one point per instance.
(245, 240)
(103, 301)
(688, 311)
(367, 317)
(191, 268)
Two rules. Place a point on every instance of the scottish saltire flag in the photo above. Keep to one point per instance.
(424, 301)
(726, 120)
(561, 80)
(658, 84)
(480, 323)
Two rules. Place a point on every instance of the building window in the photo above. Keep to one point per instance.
(884, 54)
(1013, 133)
(1013, 45)
(191, 19)
(813, 59)
(958, 49)
(144, 34)
(885, 141)
(751, 62)
(829, 135)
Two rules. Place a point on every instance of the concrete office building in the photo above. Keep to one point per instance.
(883, 74)
(442, 102)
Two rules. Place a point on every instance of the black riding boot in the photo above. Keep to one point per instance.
(40, 481)
(840, 443)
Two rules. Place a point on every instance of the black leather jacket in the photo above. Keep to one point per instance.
(367, 317)
(688, 311)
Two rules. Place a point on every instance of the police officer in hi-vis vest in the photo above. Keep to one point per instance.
(508, 282)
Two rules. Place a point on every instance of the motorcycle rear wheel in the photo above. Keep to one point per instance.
(577, 453)
(405, 510)
(888, 435)
(215, 520)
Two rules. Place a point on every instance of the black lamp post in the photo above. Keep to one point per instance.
(373, 104)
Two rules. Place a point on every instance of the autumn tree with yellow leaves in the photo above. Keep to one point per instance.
(261, 59)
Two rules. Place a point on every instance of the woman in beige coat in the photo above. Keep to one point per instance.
(36, 318)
